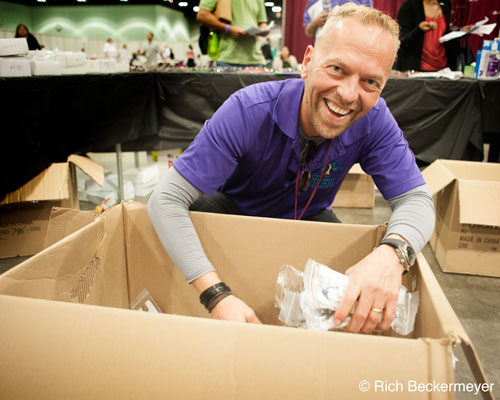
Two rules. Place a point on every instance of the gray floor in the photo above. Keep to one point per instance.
(475, 299)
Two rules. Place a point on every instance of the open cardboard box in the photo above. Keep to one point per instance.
(357, 190)
(467, 200)
(24, 213)
(87, 344)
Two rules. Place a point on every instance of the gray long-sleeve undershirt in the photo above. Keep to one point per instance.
(168, 208)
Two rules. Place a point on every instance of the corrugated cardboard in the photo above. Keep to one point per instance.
(223, 10)
(24, 213)
(467, 198)
(83, 351)
(357, 190)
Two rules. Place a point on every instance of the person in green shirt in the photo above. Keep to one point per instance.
(237, 48)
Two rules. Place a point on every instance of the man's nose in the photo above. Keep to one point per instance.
(348, 89)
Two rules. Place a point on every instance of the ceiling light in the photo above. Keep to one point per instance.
(183, 4)
(81, 1)
(269, 4)
(276, 9)
(41, 1)
(196, 8)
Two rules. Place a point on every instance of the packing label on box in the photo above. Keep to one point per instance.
(479, 237)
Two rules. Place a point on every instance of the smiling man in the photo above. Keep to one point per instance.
(281, 149)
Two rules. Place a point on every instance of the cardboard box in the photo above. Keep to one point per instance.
(357, 190)
(71, 348)
(466, 194)
(14, 67)
(24, 213)
(13, 46)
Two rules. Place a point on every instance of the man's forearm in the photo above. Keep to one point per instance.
(168, 210)
(311, 29)
(210, 20)
(413, 217)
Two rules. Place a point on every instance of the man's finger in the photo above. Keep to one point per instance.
(361, 313)
(347, 303)
(389, 313)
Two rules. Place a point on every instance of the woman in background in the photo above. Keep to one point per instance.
(422, 23)
(23, 32)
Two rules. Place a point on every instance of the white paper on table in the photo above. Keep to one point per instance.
(254, 30)
(478, 28)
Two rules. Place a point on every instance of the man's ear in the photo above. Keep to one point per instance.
(304, 68)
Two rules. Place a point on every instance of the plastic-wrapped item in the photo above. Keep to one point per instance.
(309, 299)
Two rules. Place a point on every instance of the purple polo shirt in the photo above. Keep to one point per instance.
(250, 150)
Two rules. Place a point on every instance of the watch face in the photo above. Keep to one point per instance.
(411, 255)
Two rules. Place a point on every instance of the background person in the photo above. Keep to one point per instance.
(315, 14)
(190, 57)
(281, 149)
(237, 48)
(152, 52)
(23, 32)
(109, 50)
(422, 23)
(285, 61)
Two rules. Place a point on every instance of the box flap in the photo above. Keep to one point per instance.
(475, 366)
(437, 176)
(64, 221)
(91, 168)
(50, 184)
(442, 317)
(105, 353)
(356, 169)
(479, 202)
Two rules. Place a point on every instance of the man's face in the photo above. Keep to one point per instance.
(150, 36)
(344, 76)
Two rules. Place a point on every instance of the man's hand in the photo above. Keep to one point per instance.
(374, 282)
(426, 26)
(233, 309)
(317, 22)
(237, 32)
(229, 308)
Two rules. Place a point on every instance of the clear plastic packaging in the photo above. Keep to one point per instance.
(309, 299)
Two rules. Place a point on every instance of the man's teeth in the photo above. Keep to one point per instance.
(335, 109)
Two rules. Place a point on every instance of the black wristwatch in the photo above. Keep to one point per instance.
(405, 252)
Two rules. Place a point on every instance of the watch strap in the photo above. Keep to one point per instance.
(401, 250)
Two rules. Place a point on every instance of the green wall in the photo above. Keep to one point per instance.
(13, 14)
(121, 22)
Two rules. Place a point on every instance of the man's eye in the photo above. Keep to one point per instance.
(335, 68)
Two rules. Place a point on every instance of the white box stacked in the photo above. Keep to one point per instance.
(95, 194)
(107, 66)
(13, 60)
(72, 63)
(144, 179)
(44, 62)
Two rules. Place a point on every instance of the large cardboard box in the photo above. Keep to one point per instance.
(466, 194)
(86, 344)
(24, 213)
(357, 190)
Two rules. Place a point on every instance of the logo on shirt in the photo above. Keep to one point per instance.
(328, 179)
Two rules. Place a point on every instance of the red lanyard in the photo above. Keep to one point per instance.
(315, 189)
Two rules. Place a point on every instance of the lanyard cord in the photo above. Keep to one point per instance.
(315, 188)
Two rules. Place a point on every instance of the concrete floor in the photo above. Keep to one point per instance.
(475, 299)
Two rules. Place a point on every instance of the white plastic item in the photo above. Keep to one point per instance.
(312, 304)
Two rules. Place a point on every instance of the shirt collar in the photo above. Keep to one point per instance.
(287, 108)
